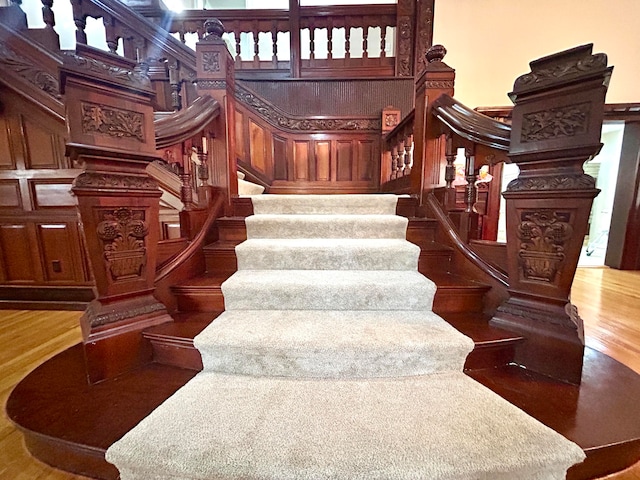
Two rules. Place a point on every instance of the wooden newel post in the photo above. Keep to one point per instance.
(216, 77)
(429, 145)
(111, 133)
(556, 127)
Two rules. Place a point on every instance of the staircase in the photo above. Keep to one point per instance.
(329, 363)
(457, 299)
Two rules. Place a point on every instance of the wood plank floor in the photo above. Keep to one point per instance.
(608, 301)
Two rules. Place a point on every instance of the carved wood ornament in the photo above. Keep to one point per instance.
(114, 122)
(123, 232)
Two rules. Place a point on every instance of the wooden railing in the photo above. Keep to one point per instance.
(316, 41)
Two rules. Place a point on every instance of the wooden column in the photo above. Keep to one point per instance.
(295, 58)
(429, 146)
(216, 77)
(110, 121)
(556, 127)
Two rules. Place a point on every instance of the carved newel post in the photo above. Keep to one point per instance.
(216, 77)
(111, 133)
(428, 150)
(557, 119)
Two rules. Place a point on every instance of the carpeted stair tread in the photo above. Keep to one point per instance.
(324, 204)
(331, 344)
(328, 289)
(326, 226)
(327, 254)
(436, 427)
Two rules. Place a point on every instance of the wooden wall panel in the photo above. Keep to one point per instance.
(301, 160)
(7, 161)
(258, 147)
(364, 161)
(56, 241)
(344, 161)
(279, 158)
(50, 194)
(42, 145)
(241, 149)
(16, 249)
(10, 194)
(323, 161)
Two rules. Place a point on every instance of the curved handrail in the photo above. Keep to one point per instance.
(169, 265)
(471, 124)
(179, 126)
(449, 228)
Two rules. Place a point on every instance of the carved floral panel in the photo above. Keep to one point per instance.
(114, 122)
(123, 233)
(558, 122)
(543, 235)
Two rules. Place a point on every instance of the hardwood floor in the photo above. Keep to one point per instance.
(608, 301)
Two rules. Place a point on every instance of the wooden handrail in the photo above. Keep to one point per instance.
(451, 232)
(169, 265)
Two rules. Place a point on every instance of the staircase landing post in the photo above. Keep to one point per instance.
(111, 134)
(557, 120)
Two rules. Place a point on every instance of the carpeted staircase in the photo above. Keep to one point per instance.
(329, 363)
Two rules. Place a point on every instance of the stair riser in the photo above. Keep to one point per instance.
(203, 301)
(221, 261)
(185, 356)
(491, 356)
(232, 231)
(318, 227)
(445, 301)
(452, 300)
(434, 262)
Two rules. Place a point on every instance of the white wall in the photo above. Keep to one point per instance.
(491, 42)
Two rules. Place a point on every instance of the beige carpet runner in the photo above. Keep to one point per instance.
(328, 363)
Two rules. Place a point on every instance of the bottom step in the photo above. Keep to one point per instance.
(439, 427)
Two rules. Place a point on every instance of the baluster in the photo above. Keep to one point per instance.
(408, 157)
(175, 83)
(470, 190)
(110, 33)
(80, 20)
(401, 155)
(330, 40)
(365, 41)
(48, 15)
(236, 33)
(383, 41)
(347, 39)
(256, 45)
(312, 36)
(186, 193)
(181, 32)
(394, 162)
(274, 39)
(450, 155)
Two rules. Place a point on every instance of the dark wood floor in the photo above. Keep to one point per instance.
(608, 300)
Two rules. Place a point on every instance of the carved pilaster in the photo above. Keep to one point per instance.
(423, 34)
(556, 126)
(405, 31)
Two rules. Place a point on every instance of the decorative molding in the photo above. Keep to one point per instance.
(212, 84)
(30, 72)
(137, 78)
(543, 234)
(211, 62)
(559, 182)
(424, 36)
(297, 124)
(567, 121)
(561, 71)
(405, 34)
(99, 319)
(122, 232)
(112, 181)
(439, 84)
(114, 122)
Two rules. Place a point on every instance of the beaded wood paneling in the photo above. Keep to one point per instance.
(336, 97)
